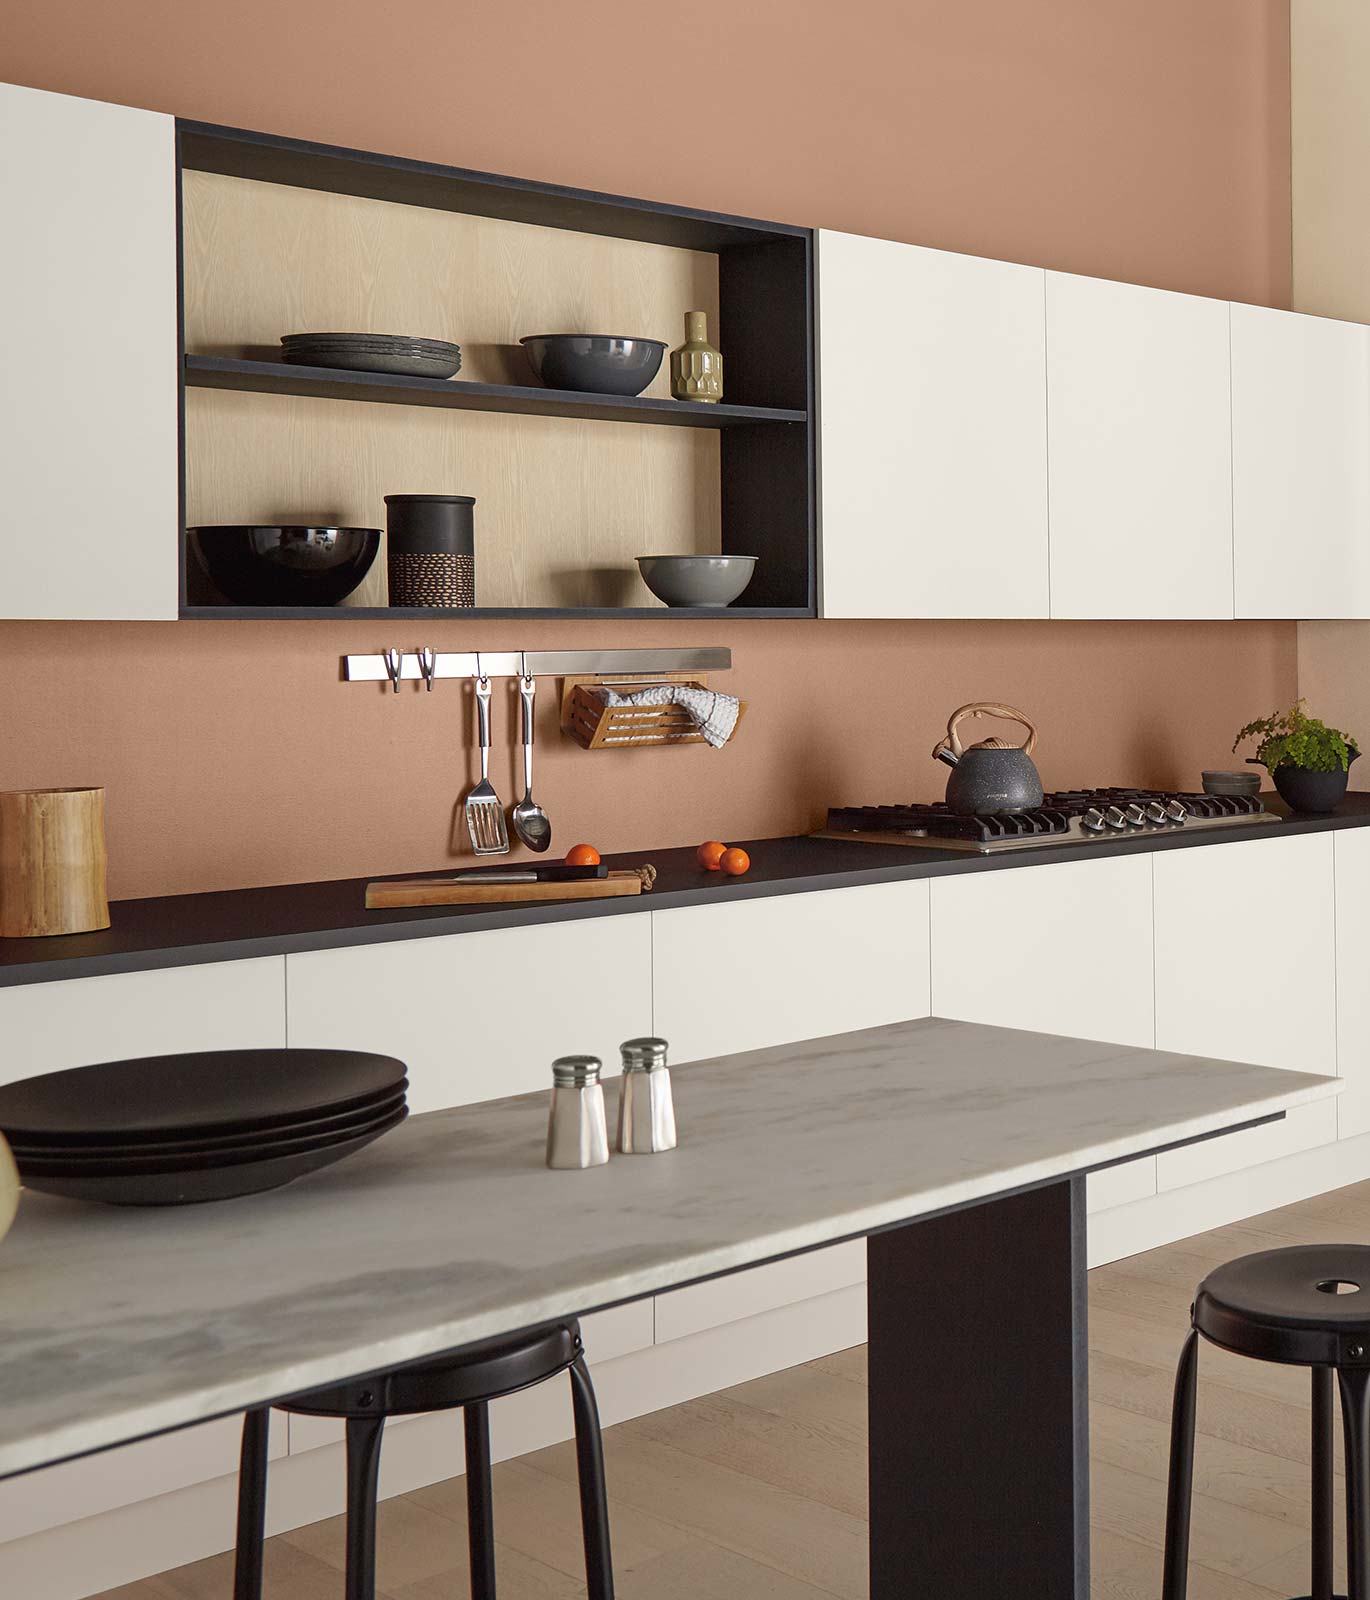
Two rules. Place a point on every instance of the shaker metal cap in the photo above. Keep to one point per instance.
(576, 1071)
(642, 1055)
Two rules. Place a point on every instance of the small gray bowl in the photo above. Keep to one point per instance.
(594, 363)
(1231, 783)
(697, 580)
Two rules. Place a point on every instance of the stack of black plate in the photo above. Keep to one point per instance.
(410, 357)
(172, 1130)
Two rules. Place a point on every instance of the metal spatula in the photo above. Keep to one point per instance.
(484, 813)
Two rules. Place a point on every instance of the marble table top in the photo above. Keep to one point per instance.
(118, 1323)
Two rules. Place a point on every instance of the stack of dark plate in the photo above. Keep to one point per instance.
(408, 356)
(173, 1130)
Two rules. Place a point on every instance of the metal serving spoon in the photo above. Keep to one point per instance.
(530, 820)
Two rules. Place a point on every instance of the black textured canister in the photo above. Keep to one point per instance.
(431, 549)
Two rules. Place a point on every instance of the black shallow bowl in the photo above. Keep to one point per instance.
(594, 363)
(283, 566)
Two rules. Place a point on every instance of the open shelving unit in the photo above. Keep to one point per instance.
(745, 484)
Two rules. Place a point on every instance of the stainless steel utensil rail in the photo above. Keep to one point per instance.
(395, 666)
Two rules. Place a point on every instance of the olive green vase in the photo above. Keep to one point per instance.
(697, 367)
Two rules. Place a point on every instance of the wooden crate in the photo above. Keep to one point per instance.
(595, 726)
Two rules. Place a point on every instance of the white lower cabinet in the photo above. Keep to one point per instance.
(753, 973)
(1351, 851)
(1246, 971)
(1063, 948)
(46, 1027)
(727, 978)
(479, 1015)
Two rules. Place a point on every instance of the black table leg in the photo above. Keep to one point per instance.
(979, 1425)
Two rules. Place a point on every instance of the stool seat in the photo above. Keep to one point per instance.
(1306, 1305)
(481, 1372)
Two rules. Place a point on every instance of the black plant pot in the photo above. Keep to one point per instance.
(1311, 791)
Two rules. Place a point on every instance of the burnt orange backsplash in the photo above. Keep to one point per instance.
(234, 755)
(1148, 142)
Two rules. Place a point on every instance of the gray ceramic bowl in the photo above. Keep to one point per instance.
(594, 363)
(1232, 782)
(697, 580)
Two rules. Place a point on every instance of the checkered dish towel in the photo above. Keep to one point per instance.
(715, 714)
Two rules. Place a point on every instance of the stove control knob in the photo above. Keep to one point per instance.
(1176, 811)
(1093, 821)
(1135, 815)
(1155, 812)
(1115, 819)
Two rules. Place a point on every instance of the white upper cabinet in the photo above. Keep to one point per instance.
(1300, 465)
(1140, 451)
(89, 399)
(932, 428)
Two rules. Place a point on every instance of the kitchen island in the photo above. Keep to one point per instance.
(959, 1150)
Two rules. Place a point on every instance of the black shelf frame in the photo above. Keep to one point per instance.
(332, 383)
(766, 427)
(494, 613)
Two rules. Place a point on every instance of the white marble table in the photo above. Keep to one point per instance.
(116, 1324)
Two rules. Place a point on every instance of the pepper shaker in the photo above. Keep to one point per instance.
(577, 1132)
(646, 1110)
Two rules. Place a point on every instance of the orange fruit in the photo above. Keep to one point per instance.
(734, 862)
(582, 855)
(709, 853)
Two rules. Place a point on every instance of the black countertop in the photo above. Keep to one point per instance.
(184, 930)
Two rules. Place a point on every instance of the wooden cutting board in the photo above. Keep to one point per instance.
(446, 892)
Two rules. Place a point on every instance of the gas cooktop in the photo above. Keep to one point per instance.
(1070, 816)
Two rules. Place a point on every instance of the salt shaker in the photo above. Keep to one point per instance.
(577, 1133)
(646, 1111)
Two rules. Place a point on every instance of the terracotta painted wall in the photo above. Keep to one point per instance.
(1139, 139)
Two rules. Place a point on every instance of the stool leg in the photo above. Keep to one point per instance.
(1322, 1483)
(1179, 1496)
(363, 1472)
(480, 1502)
(594, 1502)
(1355, 1414)
(247, 1558)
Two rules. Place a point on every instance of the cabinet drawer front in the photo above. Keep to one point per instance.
(1140, 448)
(227, 1005)
(1351, 853)
(933, 462)
(993, 935)
(480, 1015)
(55, 1495)
(754, 973)
(1266, 994)
(746, 1294)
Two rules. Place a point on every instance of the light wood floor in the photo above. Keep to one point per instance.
(758, 1493)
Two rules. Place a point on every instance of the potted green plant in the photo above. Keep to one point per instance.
(1308, 760)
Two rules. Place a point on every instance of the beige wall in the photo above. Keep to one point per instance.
(1138, 139)
(1330, 118)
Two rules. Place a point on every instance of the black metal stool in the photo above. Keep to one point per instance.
(1307, 1306)
(470, 1379)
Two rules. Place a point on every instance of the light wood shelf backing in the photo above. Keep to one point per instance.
(562, 507)
(263, 259)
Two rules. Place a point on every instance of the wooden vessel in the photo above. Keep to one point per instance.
(52, 862)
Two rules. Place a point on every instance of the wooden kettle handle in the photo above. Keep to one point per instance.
(988, 708)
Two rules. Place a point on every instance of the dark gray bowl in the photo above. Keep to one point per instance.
(594, 363)
(697, 580)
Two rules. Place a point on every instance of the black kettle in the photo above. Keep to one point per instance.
(994, 775)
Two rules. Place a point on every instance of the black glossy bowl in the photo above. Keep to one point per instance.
(594, 363)
(283, 566)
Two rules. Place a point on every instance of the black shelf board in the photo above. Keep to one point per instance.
(330, 383)
(493, 613)
(269, 158)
